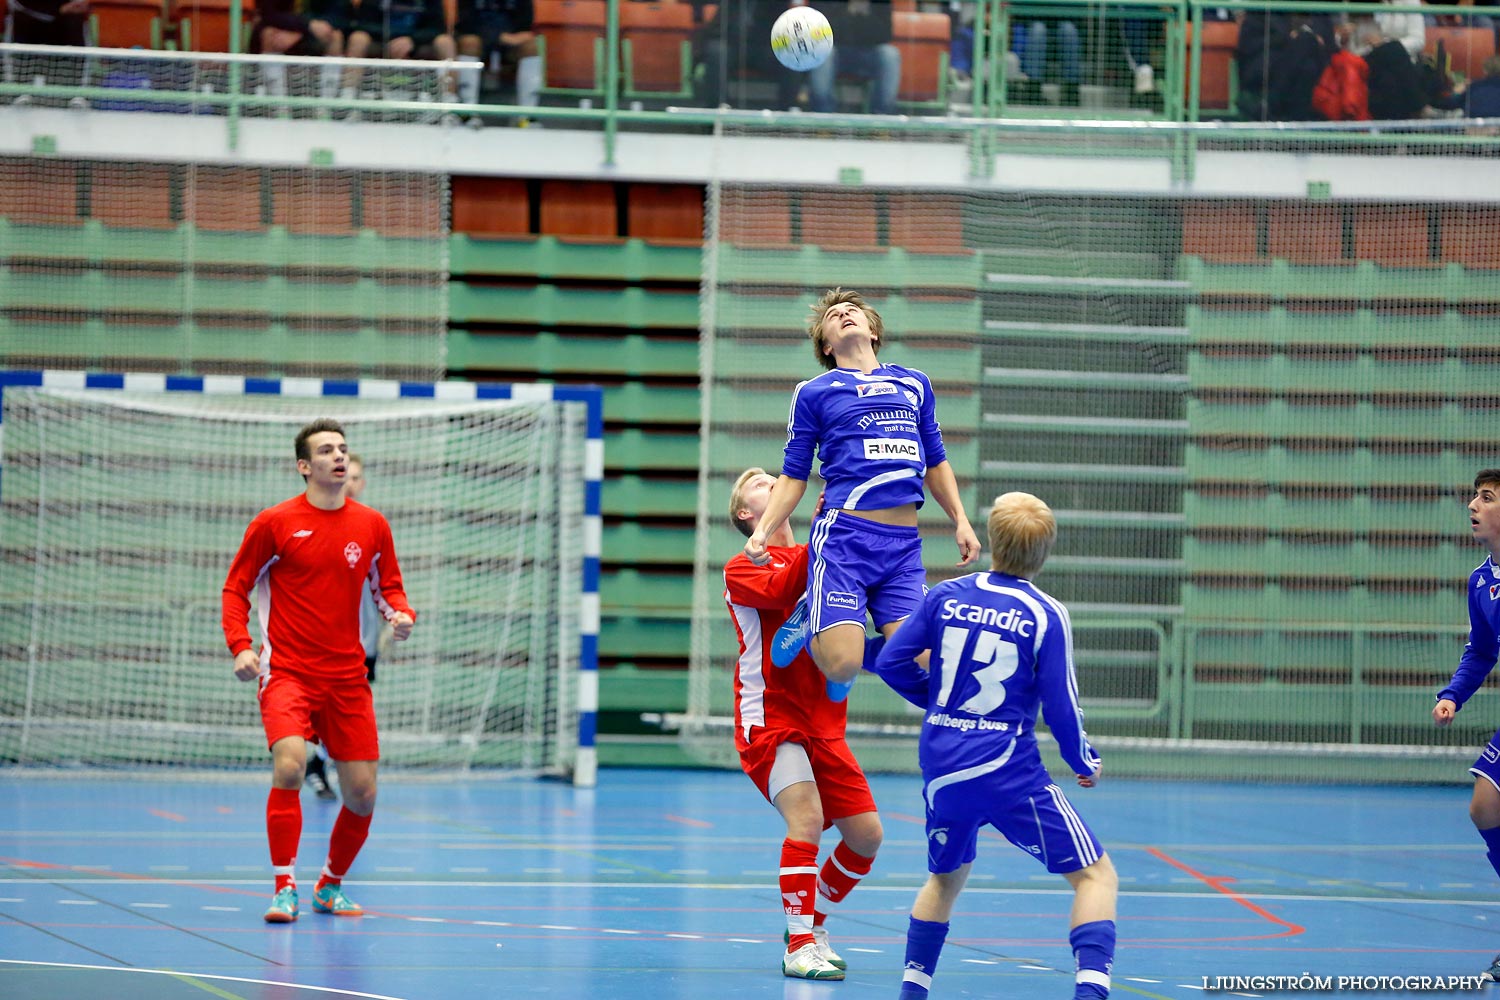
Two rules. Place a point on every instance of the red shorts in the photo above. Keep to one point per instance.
(340, 713)
(842, 787)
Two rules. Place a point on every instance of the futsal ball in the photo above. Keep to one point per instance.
(801, 39)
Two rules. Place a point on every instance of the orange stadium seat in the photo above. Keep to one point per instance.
(1223, 231)
(325, 207)
(123, 24)
(656, 49)
(223, 199)
(1215, 87)
(840, 220)
(572, 45)
(42, 191)
(1393, 235)
(1305, 233)
(579, 208)
(1471, 235)
(665, 212)
(132, 196)
(408, 207)
(923, 40)
(491, 206)
(927, 223)
(204, 25)
(756, 217)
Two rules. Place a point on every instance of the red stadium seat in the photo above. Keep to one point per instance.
(39, 191)
(1306, 233)
(123, 24)
(132, 196)
(759, 217)
(927, 223)
(324, 207)
(1215, 87)
(1221, 231)
(1393, 235)
(923, 40)
(656, 49)
(579, 208)
(409, 207)
(204, 25)
(223, 199)
(491, 206)
(840, 220)
(1471, 235)
(665, 212)
(572, 46)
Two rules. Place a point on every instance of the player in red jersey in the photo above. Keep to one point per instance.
(309, 559)
(790, 737)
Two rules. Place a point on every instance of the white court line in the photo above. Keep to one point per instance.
(199, 975)
(221, 909)
(152, 906)
(78, 902)
(865, 889)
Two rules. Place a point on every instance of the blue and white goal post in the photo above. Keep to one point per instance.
(123, 498)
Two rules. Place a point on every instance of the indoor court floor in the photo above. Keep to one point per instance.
(662, 884)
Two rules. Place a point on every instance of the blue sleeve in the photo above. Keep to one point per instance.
(897, 662)
(933, 451)
(1479, 655)
(1059, 689)
(801, 435)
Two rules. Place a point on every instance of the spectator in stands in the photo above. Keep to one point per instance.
(1343, 91)
(733, 46)
(394, 29)
(1030, 41)
(49, 22)
(1484, 94)
(500, 32)
(1409, 29)
(862, 47)
(280, 30)
(1280, 58)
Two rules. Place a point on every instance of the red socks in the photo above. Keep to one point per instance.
(842, 872)
(349, 833)
(283, 832)
(799, 890)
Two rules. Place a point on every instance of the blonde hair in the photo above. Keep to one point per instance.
(737, 500)
(831, 298)
(1022, 532)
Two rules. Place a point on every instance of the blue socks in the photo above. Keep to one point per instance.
(1094, 949)
(924, 942)
(1492, 841)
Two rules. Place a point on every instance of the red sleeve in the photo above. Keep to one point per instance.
(391, 587)
(257, 549)
(767, 586)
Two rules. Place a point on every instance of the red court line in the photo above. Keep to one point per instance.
(685, 821)
(1220, 883)
(174, 817)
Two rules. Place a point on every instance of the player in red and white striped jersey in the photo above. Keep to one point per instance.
(309, 559)
(790, 737)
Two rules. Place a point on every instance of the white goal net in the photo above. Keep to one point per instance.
(120, 511)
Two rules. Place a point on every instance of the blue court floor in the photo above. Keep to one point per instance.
(662, 885)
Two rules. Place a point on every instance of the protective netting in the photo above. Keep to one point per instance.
(1257, 419)
(121, 511)
(211, 264)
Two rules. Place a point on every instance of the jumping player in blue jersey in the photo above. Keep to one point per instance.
(1477, 662)
(875, 431)
(999, 646)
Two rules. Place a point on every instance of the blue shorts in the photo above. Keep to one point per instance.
(857, 566)
(1488, 764)
(1038, 819)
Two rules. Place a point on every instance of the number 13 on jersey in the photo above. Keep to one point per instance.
(991, 662)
